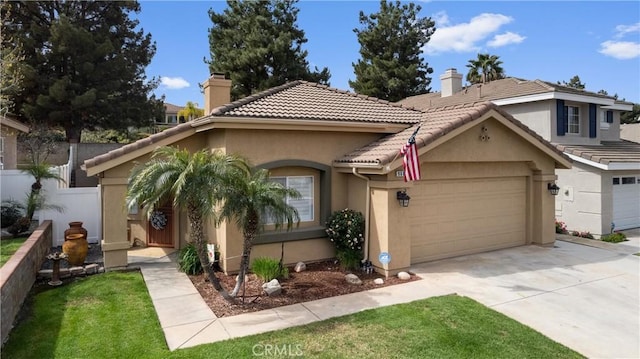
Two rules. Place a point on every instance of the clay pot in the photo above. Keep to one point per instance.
(76, 247)
(75, 228)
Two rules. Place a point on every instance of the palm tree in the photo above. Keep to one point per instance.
(195, 182)
(190, 111)
(484, 69)
(40, 171)
(251, 201)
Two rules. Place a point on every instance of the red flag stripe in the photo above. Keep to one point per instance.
(410, 162)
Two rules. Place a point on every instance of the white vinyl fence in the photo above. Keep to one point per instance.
(79, 204)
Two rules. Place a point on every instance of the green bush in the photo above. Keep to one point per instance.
(616, 237)
(188, 260)
(349, 260)
(10, 212)
(268, 269)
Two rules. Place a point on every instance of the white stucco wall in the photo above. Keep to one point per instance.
(581, 203)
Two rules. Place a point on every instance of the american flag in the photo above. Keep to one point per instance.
(410, 160)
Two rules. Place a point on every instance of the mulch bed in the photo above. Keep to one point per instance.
(319, 280)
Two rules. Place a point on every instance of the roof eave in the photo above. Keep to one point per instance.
(261, 123)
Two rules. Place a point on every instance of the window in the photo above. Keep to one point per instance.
(172, 118)
(616, 180)
(628, 180)
(572, 119)
(304, 204)
(603, 119)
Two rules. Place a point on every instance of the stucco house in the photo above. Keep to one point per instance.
(9, 130)
(603, 186)
(484, 186)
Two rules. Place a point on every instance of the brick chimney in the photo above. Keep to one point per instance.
(450, 82)
(217, 92)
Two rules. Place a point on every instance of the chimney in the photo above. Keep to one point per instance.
(450, 82)
(217, 92)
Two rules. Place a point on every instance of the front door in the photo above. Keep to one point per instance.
(160, 227)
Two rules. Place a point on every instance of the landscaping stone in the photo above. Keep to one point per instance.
(45, 273)
(64, 273)
(77, 270)
(300, 266)
(378, 281)
(272, 288)
(91, 268)
(352, 279)
(404, 276)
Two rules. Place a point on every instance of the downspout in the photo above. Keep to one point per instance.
(366, 214)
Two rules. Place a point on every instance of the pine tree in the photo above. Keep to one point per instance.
(83, 66)
(574, 82)
(259, 45)
(391, 42)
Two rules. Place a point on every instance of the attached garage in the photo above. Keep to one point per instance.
(465, 216)
(626, 202)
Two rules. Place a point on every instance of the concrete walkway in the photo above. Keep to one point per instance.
(582, 296)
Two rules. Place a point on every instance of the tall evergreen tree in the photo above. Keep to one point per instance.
(83, 66)
(259, 45)
(391, 42)
(484, 69)
(574, 82)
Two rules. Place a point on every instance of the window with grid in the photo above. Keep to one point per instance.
(304, 204)
(572, 119)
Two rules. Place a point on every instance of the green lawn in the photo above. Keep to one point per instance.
(8, 247)
(111, 316)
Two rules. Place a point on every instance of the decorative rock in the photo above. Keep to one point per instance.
(101, 270)
(300, 266)
(76, 270)
(378, 281)
(91, 268)
(272, 288)
(64, 273)
(404, 276)
(352, 279)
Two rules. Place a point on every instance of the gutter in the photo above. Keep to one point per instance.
(366, 215)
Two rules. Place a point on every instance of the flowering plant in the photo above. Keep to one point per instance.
(158, 220)
(561, 227)
(345, 229)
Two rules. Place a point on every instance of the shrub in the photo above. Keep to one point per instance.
(10, 212)
(345, 229)
(615, 237)
(189, 261)
(268, 269)
(561, 227)
(582, 234)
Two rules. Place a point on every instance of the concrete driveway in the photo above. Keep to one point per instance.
(584, 297)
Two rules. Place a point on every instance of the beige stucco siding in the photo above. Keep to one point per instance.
(536, 116)
(581, 198)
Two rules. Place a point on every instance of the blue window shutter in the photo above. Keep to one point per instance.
(609, 116)
(560, 118)
(593, 120)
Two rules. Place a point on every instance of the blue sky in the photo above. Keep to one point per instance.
(548, 40)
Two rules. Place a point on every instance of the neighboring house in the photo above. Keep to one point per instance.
(170, 115)
(484, 185)
(630, 132)
(603, 186)
(9, 130)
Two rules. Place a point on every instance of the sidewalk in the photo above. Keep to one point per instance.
(187, 320)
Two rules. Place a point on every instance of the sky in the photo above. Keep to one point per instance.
(548, 40)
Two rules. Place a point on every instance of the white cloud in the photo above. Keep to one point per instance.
(622, 30)
(173, 83)
(505, 39)
(621, 50)
(463, 37)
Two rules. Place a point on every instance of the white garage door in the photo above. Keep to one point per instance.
(457, 217)
(626, 202)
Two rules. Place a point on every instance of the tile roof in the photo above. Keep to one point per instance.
(436, 123)
(494, 90)
(171, 108)
(606, 152)
(630, 132)
(147, 141)
(311, 101)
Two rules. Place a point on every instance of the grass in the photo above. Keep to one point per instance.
(111, 316)
(8, 247)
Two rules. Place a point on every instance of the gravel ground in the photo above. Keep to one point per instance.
(94, 255)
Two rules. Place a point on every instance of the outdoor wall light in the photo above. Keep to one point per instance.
(403, 198)
(553, 188)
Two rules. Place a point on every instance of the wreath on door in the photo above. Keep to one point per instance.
(158, 220)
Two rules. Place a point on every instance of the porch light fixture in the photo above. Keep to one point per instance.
(403, 198)
(553, 188)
